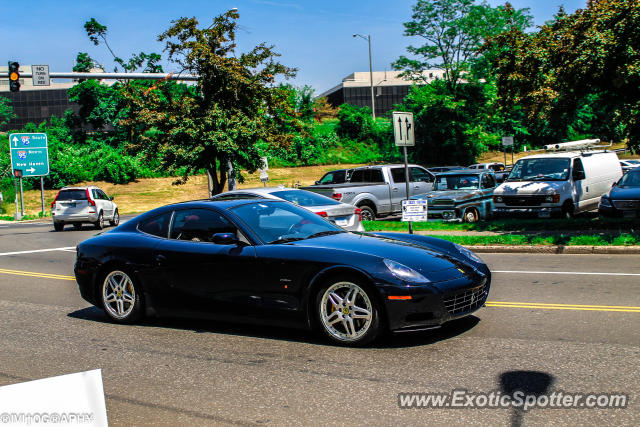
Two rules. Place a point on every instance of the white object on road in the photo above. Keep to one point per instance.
(74, 399)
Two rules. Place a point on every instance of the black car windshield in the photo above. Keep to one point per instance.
(280, 222)
(72, 195)
(542, 169)
(631, 179)
(304, 198)
(456, 182)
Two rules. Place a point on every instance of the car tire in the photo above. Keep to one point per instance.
(471, 215)
(77, 225)
(99, 224)
(347, 312)
(120, 296)
(367, 213)
(115, 220)
(568, 210)
(58, 225)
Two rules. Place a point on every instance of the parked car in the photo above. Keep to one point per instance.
(79, 205)
(439, 169)
(629, 164)
(461, 195)
(271, 262)
(339, 176)
(499, 169)
(346, 216)
(378, 190)
(623, 200)
(561, 183)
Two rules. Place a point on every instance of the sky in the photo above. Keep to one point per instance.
(313, 36)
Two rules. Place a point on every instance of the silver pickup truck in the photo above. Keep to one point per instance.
(378, 190)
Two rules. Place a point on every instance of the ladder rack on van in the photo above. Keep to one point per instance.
(582, 145)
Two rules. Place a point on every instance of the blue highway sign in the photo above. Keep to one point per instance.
(29, 153)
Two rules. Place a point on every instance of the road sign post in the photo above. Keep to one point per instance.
(404, 134)
(29, 157)
(264, 175)
(507, 141)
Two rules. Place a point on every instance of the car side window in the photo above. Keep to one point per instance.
(398, 175)
(94, 194)
(357, 176)
(199, 225)
(367, 175)
(488, 181)
(157, 225)
(328, 178)
(419, 175)
(578, 170)
(103, 195)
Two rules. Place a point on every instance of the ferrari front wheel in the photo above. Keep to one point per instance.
(348, 313)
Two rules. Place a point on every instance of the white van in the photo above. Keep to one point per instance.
(559, 183)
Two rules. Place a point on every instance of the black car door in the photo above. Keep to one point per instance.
(202, 276)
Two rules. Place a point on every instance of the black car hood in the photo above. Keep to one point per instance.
(624, 193)
(420, 258)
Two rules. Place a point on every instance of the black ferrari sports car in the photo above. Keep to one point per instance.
(273, 262)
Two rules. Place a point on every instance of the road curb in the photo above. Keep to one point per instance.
(557, 249)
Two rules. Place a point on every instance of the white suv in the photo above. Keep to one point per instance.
(77, 205)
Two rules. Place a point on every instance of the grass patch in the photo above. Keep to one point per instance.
(583, 224)
(561, 239)
(148, 193)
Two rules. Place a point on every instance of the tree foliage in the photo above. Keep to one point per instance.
(235, 104)
(451, 32)
(578, 74)
(6, 111)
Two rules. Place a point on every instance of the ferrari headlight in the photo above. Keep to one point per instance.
(469, 254)
(405, 273)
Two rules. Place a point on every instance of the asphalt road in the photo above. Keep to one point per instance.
(545, 327)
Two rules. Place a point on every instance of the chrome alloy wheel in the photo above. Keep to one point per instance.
(346, 311)
(118, 295)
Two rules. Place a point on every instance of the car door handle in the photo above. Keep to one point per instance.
(161, 259)
(417, 187)
(395, 189)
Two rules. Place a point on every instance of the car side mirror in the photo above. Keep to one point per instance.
(578, 175)
(317, 182)
(111, 198)
(225, 239)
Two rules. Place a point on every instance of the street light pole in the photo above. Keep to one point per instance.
(373, 102)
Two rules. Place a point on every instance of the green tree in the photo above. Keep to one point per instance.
(452, 32)
(97, 33)
(578, 74)
(235, 104)
(450, 128)
(6, 111)
(84, 63)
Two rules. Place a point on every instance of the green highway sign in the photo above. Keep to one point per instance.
(29, 153)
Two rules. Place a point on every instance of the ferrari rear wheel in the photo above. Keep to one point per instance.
(121, 298)
(347, 313)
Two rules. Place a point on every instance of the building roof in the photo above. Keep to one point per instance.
(382, 78)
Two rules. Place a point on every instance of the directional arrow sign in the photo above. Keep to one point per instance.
(29, 153)
(403, 129)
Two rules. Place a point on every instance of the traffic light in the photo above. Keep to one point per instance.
(14, 76)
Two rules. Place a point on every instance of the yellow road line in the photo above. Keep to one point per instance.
(33, 274)
(502, 304)
(578, 307)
